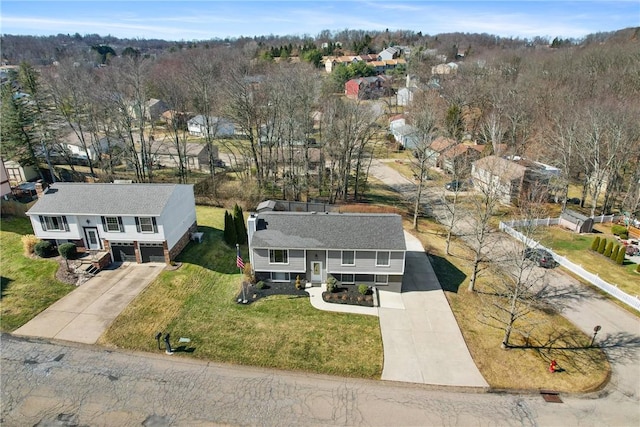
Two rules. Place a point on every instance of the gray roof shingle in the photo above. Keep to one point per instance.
(106, 199)
(306, 230)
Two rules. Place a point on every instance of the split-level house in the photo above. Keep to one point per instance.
(132, 222)
(354, 248)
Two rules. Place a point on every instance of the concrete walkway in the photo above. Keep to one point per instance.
(421, 339)
(86, 312)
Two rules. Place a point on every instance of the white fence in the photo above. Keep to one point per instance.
(632, 301)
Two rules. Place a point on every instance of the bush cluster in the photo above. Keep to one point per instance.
(614, 252)
(363, 289)
(620, 231)
(331, 284)
(43, 249)
(67, 250)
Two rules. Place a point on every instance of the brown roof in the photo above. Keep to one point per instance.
(506, 169)
(442, 143)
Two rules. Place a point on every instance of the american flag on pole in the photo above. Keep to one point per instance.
(239, 261)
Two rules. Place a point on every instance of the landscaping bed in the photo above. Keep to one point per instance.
(254, 292)
(348, 295)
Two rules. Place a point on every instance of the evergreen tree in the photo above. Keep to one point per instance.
(595, 244)
(241, 229)
(602, 245)
(614, 253)
(609, 248)
(621, 254)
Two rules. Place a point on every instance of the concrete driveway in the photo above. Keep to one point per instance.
(86, 312)
(421, 338)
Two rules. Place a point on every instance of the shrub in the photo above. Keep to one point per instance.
(363, 289)
(331, 284)
(595, 244)
(260, 285)
(28, 242)
(602, 245)
(614, 252)
(299, 285)
(620, 257)
(617, 230)
(624, 236)
(67, 250)
(607, 251)
(43, 249)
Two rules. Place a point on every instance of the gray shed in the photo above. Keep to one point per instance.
(575, 221)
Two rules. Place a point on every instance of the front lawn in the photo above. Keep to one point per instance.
(551, 336)
(197, 301)
(28, 284)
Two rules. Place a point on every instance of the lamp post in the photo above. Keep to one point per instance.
(158, 336)
(595, 332)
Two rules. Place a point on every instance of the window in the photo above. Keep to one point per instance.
(54, 223)
(348, 258)
(278, 256)
(280, 277)
(347, 278)
(112, 223)
(382, 259)
(146, 224)
(382, 279)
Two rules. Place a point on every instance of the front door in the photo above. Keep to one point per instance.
(316, 271)
(92, 239)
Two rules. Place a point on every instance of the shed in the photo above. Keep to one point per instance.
(575, 221)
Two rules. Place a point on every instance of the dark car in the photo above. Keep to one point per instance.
(454, 185)
(539, 256)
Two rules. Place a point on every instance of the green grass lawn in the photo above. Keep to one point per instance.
(577, 248)
(198, 301)
(28, 284)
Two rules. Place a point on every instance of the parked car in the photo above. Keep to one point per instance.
(219, 163)
(454, 185)
(541, 257)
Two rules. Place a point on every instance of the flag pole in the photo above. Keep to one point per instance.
(239, 263)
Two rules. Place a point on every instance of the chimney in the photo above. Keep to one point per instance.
(40, 188)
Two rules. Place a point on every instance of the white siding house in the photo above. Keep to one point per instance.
(218, 126)
(133, 222)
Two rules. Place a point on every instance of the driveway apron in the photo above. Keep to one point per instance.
(422, 341)
(86, 312)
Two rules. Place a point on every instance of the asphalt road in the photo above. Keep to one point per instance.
(52, 384)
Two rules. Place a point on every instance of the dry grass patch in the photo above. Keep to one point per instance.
(549, 336)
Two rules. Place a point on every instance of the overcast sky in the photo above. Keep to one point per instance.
(210, 19)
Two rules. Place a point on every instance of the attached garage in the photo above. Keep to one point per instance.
(152, 252)
(123, 251)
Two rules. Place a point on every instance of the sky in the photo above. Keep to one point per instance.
(214, 19)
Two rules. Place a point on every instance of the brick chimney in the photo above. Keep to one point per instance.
(40, 188)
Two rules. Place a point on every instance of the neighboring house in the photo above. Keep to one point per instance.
(459, 158)
(156, 108)
(406, 135)
(575, 221)
(389, 53)
(165, 154)
(366, 87)
(293, 206)
(332, 62)
(95, 149)
(353, 248)
(442, 69)
(218, 126)
(512, 179)
(405, 95)
(18, 174)
(434, 151)
(5, 186)
(133, 222)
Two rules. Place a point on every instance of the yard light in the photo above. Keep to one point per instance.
(158, 336)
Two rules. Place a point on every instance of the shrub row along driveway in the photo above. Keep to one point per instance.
(86, 312)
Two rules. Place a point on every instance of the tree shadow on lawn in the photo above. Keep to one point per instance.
(4, 285)
(449, 276)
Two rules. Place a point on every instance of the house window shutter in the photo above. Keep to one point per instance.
(155, 225)
(120, 224)
(104, 224)
(66, 224)
(137, 224)
(42, 223)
